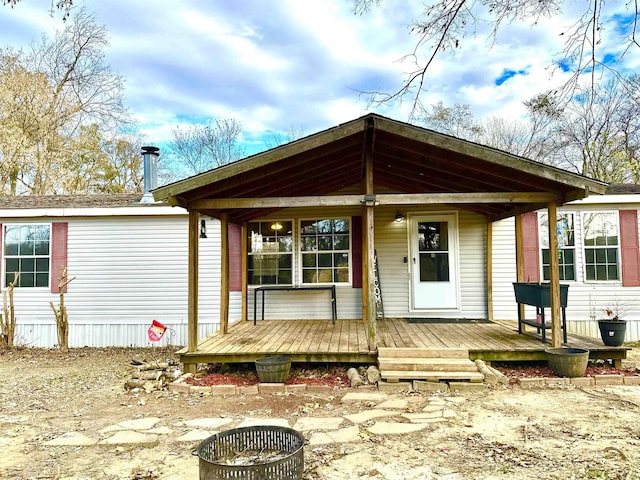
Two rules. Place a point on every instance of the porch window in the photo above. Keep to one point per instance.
(270, 252)
(324, 250)
(566, 245)
(27, 250)
(601, 246)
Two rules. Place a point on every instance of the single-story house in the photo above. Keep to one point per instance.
(365, 224)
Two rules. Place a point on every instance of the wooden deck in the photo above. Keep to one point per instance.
(346, 341)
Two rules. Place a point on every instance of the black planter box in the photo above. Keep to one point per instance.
(538, 294)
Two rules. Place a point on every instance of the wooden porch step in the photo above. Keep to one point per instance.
(427, 364)
(431, 364)
(386, 352)
(398, 375)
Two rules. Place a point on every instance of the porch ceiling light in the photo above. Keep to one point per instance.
(277, 226)
(399, 218)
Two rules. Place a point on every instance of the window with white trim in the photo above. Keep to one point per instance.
(27, 251)
(270, 256)
(325, 250)
(601, 246)
(566, 245)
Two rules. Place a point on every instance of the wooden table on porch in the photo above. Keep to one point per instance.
(293, 288)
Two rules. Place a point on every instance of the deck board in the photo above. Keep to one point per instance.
(346, 341)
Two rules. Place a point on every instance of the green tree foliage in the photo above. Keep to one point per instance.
(61, 106)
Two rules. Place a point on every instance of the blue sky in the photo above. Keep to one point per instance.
(278, 65)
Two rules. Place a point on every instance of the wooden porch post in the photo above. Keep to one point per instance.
(368, 238)
(519, 258)
(245, 271)
(489, 271)
(554, 276)
(370, 279)
(192, 279)
(224, 273)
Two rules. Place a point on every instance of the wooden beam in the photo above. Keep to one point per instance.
(370, 280)
(489, 271)
(192, 295)
(365, 268)
(519, 259)
(554, 276)
(245, 271)
(224, 273)
(177, 202)
(381, 199)
(369, 237)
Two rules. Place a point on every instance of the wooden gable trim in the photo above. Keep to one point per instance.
(260, 160)
(487, 154)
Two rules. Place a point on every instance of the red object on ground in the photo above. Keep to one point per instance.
(156, 331)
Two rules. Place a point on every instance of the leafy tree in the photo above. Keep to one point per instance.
(49, 97)
(446, 25)
(198, 148)
(103, 165)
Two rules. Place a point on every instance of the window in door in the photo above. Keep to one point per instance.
(433, 247)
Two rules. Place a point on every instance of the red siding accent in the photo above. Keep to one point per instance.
(629, 250)
(59, 233)
(530, 247)
(356, 252)
(235, 257)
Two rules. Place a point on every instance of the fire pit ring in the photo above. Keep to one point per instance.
(260, 452)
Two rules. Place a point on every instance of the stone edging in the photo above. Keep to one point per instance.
(180, 385)
(596, 380)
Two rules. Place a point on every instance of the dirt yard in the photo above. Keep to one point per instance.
(504, 433)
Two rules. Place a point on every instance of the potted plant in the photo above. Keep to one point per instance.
(612, 328)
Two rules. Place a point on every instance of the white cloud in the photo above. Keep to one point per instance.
(274, 65)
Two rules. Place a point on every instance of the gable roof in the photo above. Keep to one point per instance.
(407, 160)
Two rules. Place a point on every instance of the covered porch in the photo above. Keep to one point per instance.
(346, 341)
(362, 174)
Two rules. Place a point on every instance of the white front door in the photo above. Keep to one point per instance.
(434, 260)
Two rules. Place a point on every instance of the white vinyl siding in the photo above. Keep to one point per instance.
(586, 300)
(128, 271)
(391, 240)
(391, 243)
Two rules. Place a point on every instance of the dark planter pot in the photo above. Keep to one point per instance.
(612, 333)
(567, 361)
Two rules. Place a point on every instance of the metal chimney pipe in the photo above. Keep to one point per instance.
(150, 172)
